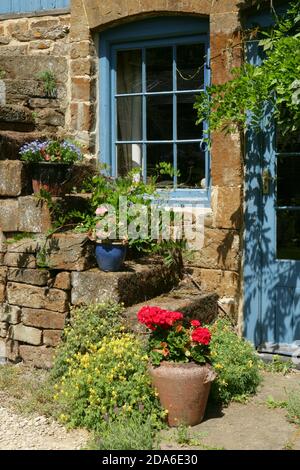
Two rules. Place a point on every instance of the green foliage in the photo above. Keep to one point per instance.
(87, 325)
(133, 433)
(242, 100)
(277, 365)
(106, 383)
(235, 362)
(49, 82)
(19, 236)
(293, 406)
(273, 404)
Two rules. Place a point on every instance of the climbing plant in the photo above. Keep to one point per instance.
(242, 99)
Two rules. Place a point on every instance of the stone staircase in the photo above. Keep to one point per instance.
(37, 292)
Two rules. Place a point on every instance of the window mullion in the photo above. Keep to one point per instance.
(144, 115)
(174, 116)
(114, 159)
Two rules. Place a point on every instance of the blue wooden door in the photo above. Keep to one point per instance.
(272, 237)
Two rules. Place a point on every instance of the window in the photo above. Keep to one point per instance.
(152, 86)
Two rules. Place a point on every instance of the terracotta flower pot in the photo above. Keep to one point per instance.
(183, 390)
(51, 176)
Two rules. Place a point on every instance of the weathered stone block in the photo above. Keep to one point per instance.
(3, 273)
(12, 350)
(142, 282)
(9, 215)
(2, 292)
(3, 330)
(30, 66)
(74, 252)
(226, 204)
(10, 314)
(220, 250)
(13, 178)
(3, 245)
(20, 260)
(51, 337)
(62, 281)
(190, 302)
(43, 318)
(34, 215)
(37, 277)
(38, 356)
(25, 334)
(26, 245)
(226, 169)
(51, 117)
(224, 283)
(36, 297)
(81, 88)
(16, 117)
(4, 40)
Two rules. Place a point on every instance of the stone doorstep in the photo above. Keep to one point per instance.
(189, 301)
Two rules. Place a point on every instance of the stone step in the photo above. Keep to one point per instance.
(187, 300)
(11, 141)
(139, 281)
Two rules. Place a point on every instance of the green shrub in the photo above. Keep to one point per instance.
(293, 406)
(236, 362)
(108, 382)
(133, 433)
(88, 324)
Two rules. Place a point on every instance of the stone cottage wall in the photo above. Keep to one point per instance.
(67, 44)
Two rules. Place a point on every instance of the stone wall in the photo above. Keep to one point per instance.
(30, 45)
(40, 279)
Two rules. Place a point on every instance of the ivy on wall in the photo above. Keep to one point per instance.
(241, 101)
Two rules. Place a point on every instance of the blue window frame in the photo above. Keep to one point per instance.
(26, 6)
(144, 120)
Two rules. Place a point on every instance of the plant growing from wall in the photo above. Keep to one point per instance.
(241, 101)
(49, 83)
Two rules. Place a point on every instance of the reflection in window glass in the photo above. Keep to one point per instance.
(190, 66)
(129, 71)
(288, 234)
(159, 69)
(186, 118)
(157, 153)
(129, 117)
(160, 117)
(191, 165)
(288, 177)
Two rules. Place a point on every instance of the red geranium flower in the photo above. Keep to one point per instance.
(201, 335)
(195, 323)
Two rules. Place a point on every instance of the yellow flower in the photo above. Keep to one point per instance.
(219, 366)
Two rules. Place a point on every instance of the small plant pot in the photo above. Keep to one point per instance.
(52, 177)
(110, 256)
(183, 390)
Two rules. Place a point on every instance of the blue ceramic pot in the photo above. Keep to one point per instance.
(110, 257)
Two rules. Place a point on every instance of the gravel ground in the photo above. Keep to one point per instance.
(36, 433)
